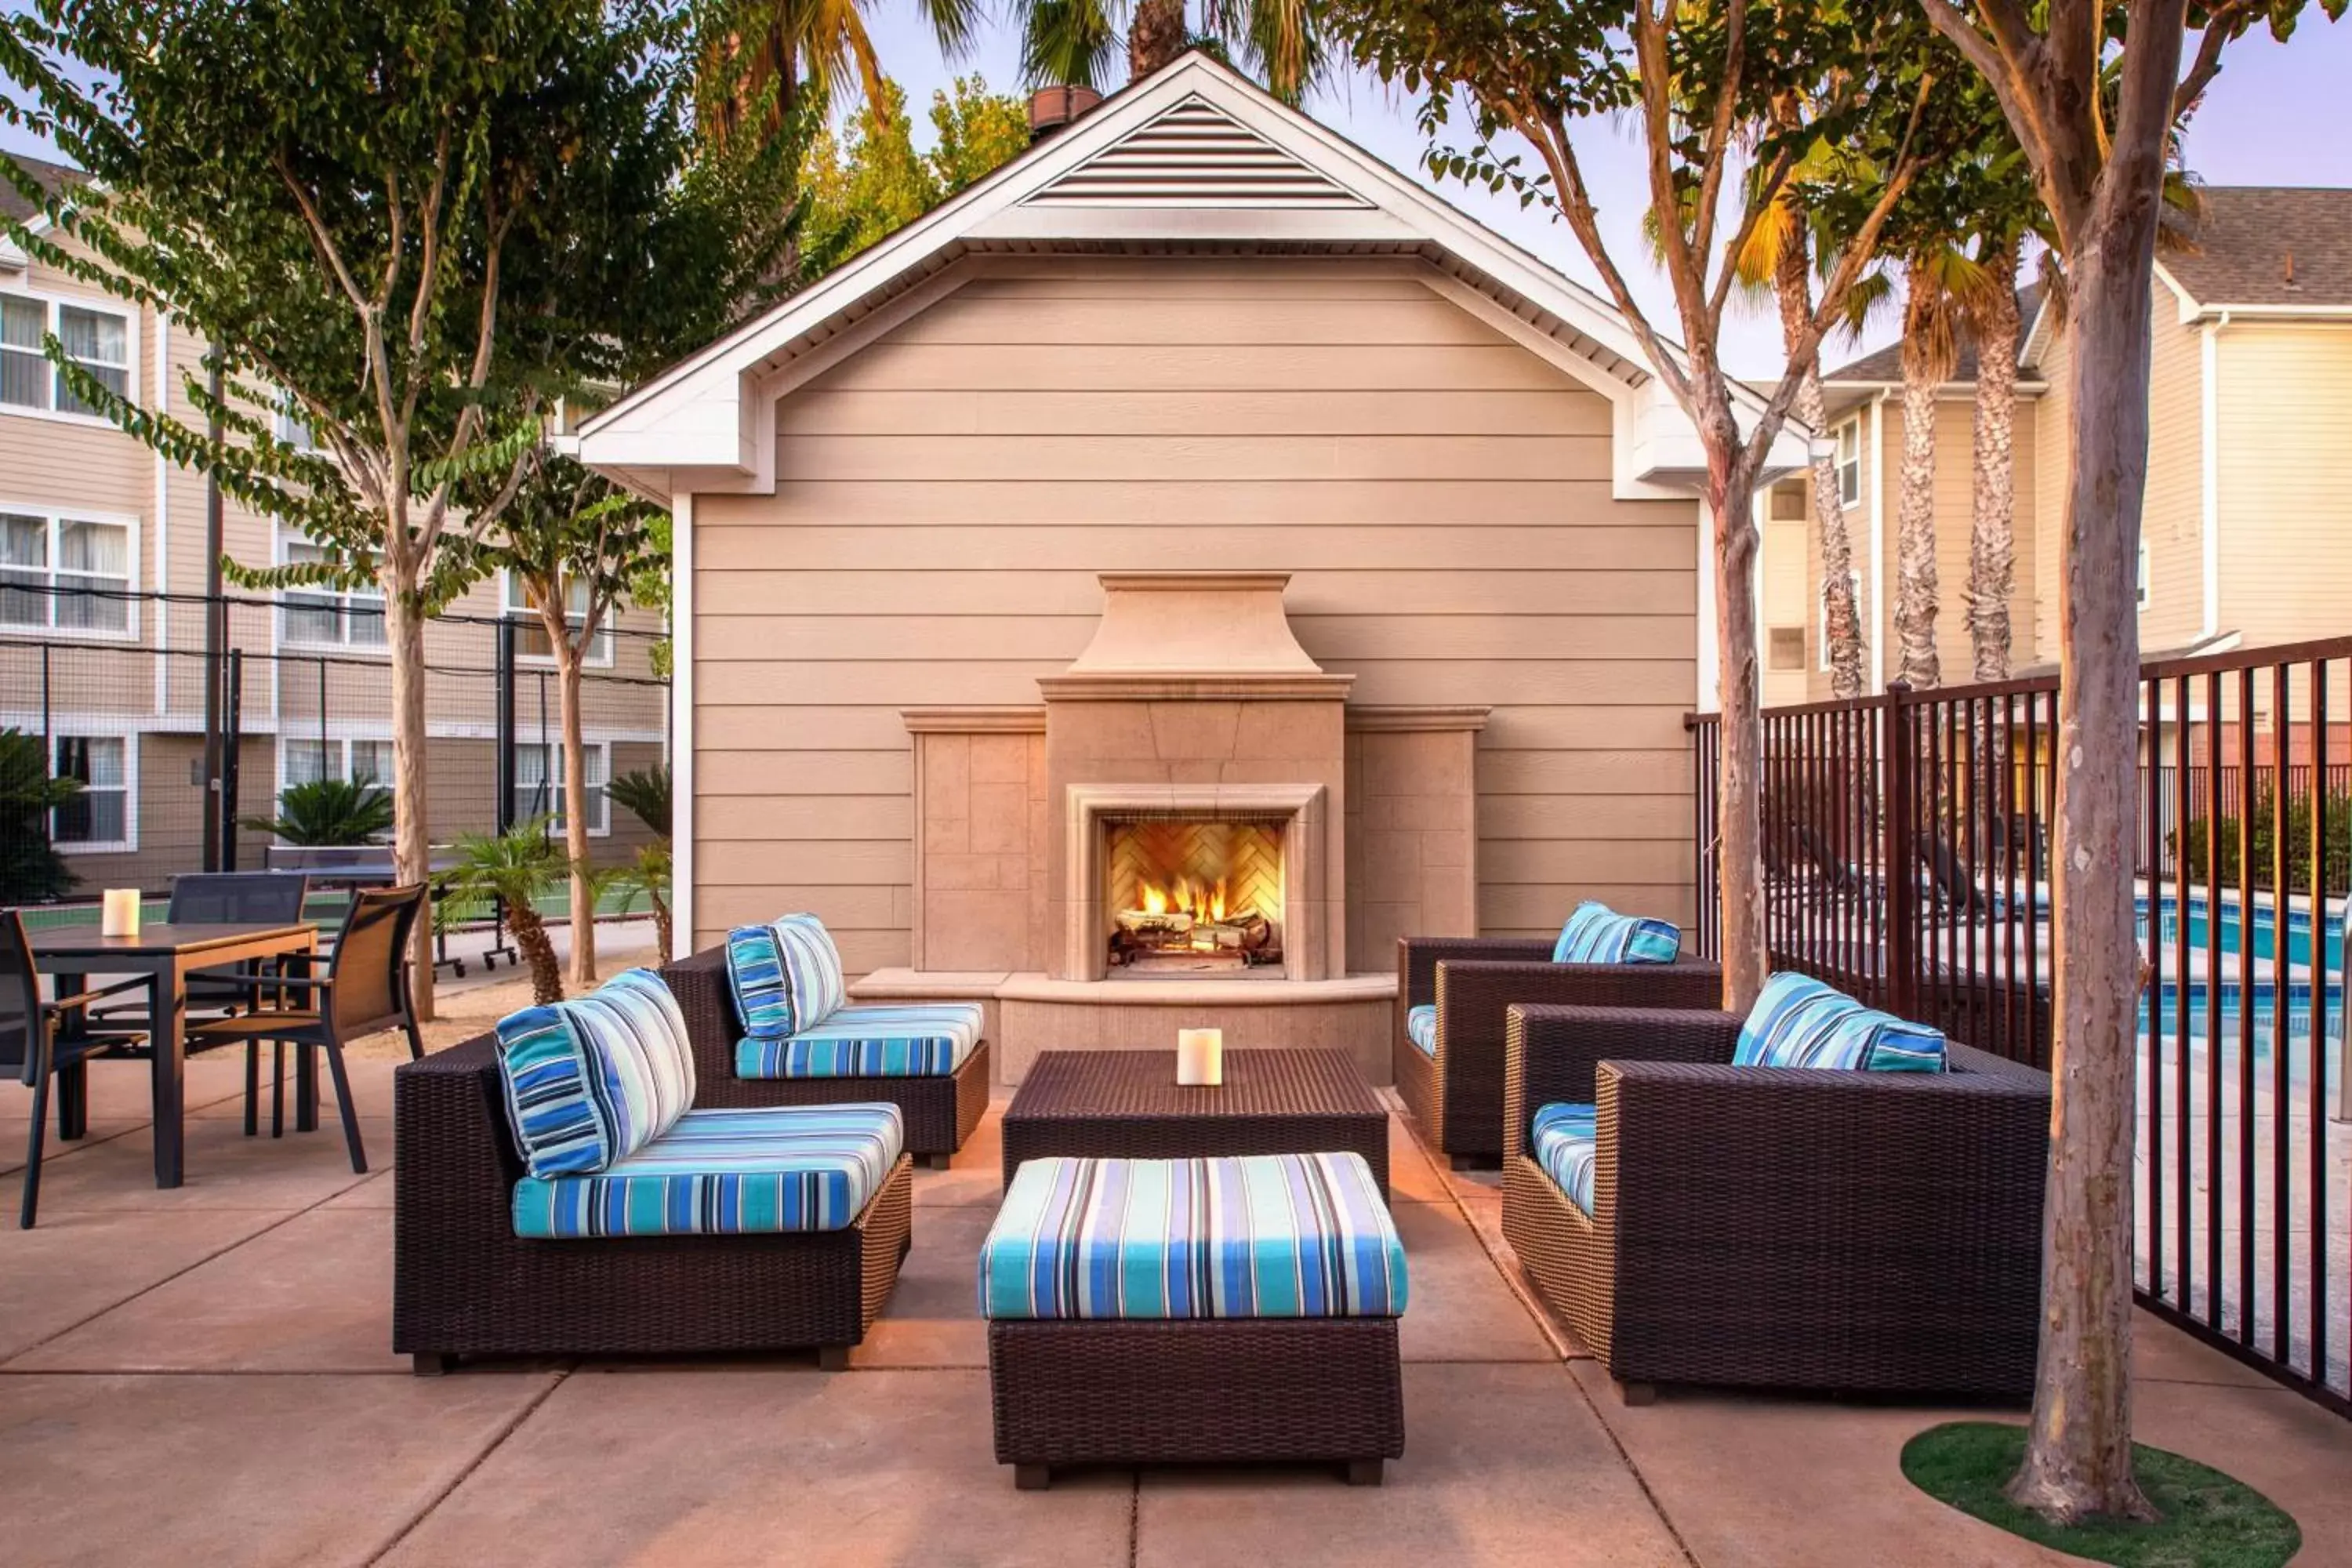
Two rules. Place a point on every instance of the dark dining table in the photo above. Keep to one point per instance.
(166, 955)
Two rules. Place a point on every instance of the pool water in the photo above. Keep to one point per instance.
(2205, 919)
(2200, 921)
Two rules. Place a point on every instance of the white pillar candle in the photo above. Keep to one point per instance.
(119, 916)
(1199, 1057)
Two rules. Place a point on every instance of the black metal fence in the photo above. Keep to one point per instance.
(183, 756)
(1907, 842)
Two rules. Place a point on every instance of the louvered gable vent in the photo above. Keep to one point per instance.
(1193, 157)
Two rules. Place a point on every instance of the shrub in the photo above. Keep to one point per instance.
(31, 870)
(2262, 828)
(327, 812)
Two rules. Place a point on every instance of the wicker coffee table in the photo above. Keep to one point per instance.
(1127, 1105)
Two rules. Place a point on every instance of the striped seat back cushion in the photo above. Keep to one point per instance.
(1597, 934)
(786, 976)
(592, 1080)
(1798, 1022)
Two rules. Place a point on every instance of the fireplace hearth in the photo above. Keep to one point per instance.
(1192, 897)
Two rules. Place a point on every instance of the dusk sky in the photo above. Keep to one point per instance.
(2276, 116)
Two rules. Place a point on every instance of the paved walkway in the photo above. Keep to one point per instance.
(203, 1376)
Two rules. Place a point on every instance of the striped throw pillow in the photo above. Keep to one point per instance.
(594, 1079)
(786, 976)
(1798, 1022)
(812, 969)
(755, 971)
(1597, 934)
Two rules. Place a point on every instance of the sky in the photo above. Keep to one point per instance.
(2276, 116)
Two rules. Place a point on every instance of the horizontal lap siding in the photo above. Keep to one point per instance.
(946, 497)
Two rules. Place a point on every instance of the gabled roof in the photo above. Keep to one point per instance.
(49, 175)
(1884, 367)
(1194, 159)
(2257, 246)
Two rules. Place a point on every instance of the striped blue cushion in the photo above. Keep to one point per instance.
(1566, 1144)
(1266, 1235)
(786, 975)
(755, 971)
(919, 1039)
(1420, 1028)
(1597, 934)
(592, 1081)
(752, 1170)
(1798, 1022)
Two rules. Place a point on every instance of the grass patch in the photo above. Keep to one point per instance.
(2209, 1521)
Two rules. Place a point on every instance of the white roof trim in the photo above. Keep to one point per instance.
(1193, 157)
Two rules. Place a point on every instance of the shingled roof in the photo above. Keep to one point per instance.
(2269, 244)
(51, 176)
(1885, 365)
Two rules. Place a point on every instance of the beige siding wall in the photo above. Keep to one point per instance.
(2053, 451)
(2285, 421)
(2172, 518)
(946, 497)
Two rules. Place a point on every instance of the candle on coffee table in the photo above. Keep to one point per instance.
(1199, 1057)
(118, 912)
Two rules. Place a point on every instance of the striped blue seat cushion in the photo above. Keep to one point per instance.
(1798, 1022)
(786, 975)
(1566, 1144)
(1597, 934)
(1266, 1235)
(751, 1169)
(914, 1039)
(592, 1081)
(1420, 1028)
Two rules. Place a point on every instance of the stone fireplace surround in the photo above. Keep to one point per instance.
(1194, 697)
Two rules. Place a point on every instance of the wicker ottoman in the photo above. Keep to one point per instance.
(1133, 1322)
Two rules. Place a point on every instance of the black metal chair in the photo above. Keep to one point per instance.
(365, 989)
(32, 1046)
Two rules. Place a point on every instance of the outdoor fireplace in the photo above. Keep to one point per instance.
(1193, 896)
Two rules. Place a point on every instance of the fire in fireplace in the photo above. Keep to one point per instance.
(1193, 896)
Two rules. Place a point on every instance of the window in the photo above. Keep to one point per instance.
(1854, 583)
(2140, 577)
(65, 574)
(539, 785)
(350, 618)
(530, 637)
(96, 338)
(99, 817)
(1786, 650)
(1849, 463)
(301, 762)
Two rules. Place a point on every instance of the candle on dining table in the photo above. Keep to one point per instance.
(118, 915)
(1199, 1057)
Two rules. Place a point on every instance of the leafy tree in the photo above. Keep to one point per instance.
(328, 811)
(414, 223)
(1729, 99)
(2092, 89)
(861, 189)
(978, 131)
(31, 869)
(516, 867)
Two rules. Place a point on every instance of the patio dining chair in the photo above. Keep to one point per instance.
(36, 1050)
(364, 989)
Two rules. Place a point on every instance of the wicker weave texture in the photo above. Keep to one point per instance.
(463, 1283)
(1458, 1100)
(1127, 1105)
(1196, 1391)
(939, 1113)
(1785, 1227)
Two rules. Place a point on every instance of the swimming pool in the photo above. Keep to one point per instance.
(2200, 915)
(2234, 996)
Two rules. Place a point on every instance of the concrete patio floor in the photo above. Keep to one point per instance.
(205, 1377)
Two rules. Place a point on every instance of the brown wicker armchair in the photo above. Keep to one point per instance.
(464, 1284)
(1457, 1094)
(1784, 1227)
(939, 1113)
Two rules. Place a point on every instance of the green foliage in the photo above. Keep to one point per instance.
(646, 796)
(2205, 1519)
(515, 867)
(328, 811)
(647, 878)
(567, 529)
(2262, 828)
(875, 182)
(31, 870)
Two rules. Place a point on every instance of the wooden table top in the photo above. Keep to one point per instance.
(1257, 1082)
(158, 939)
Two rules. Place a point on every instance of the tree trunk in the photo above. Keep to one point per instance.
(538, 952)
(412, 857)
(2078, 1459)
(1740, 834)
(576, 786)
(1914, 581)
(1841, 616)
(1155, 38)
(1994, 502)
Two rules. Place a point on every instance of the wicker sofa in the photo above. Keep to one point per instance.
(938, 1112)
(1787, 1227)
(1456, 1094)
(464, 1284)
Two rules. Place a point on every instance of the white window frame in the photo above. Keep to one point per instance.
(288, 543)
(1822, 617)
(339, 748)
(55, 519)
(599, 655)
(553, 747)
(129, 842)
(2143, 576)
(51, 304)
(1849, 467)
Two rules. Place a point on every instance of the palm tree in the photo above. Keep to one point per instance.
(1992, 321)
(516, 867)
(1073, 41)
(772, 55)
(1940, 283)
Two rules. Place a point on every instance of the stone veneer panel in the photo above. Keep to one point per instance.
(981, 853)
(1411, 828)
